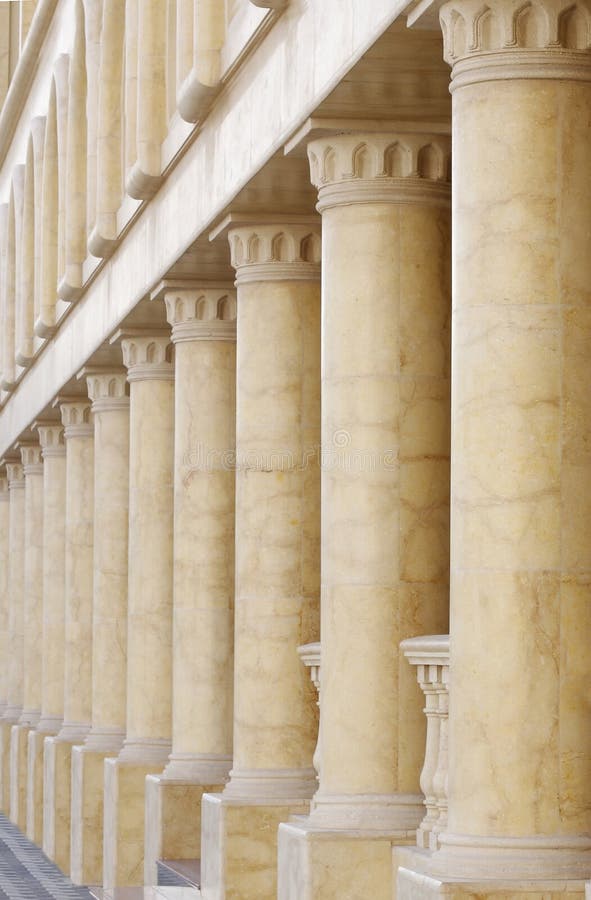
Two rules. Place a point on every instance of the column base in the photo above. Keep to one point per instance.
(5, 730)
(57, 777)
(239, 845)
(318, 862)
(35, 750)
(503, 879)
(173, 821)
(19, 737)
(86, 835)
(124, 821)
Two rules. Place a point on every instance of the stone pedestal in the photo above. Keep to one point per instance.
(19, 742)
(110, 408)
(149, 623)
(57, 779)
(203, 320)
(384, 200)
(277, 556)
(519, 816)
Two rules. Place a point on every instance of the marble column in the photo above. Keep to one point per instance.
(110, 408)
(4, 635)
(149, 619)
(203, 323)
(277, 556)
(78, 433)
(384, 200)
(51, 439)
(33, 629)
(15, 663)
(520, 708)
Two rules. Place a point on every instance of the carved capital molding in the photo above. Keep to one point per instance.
(107, 390)
(16, 476)
(32, 459)
(505, 39)
(51, 438)
(280, 252)
(380, 168)
(148, 357)
(76, 418)
(201, 314)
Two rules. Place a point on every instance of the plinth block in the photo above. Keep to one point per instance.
(35, 748)
(173, 821)
(19, 736)
(86, 851)
(239, 846)
(57, 777)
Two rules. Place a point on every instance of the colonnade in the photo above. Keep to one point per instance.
(277, 467)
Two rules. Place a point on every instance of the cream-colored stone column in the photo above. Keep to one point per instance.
(78, 433)
(277, 556)
(384, 200)
(519, 735)
(203, 323)
(33, 629)
(16, 587)
(110, 408)
(149, 623)
(4, 636)
(51, 439)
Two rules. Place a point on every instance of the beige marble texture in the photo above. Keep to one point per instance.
(78, 433)
(385, 438)
(5, 729)
(19, 738)
(16, 587)
(149, 624)
(57, 779)
(110, 409)
(35, 749)
(239, 847)
(33, 585)
(4, 589)
(51, 438)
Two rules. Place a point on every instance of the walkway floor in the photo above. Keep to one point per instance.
(27, 874)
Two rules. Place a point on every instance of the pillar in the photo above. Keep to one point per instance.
(149, 618)
(519, 736)
(51, 439)
(16, 587)
(4, 635)
(203, 323)
(33, 632)
(277, 556)
(384, 200)
(110, 409)
(78, 433)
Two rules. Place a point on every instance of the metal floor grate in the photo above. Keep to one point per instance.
(27, 874)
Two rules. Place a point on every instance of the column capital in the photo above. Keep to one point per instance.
(107, 390)
(31, 458)
(76, 418)
(4, 495)
(147, 356)
(504, 40)
(378, 167)
(201, 313)
(16, 475)
(276, 252)
(51, 438)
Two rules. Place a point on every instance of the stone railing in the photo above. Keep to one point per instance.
(430, 655)
(310, 655)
